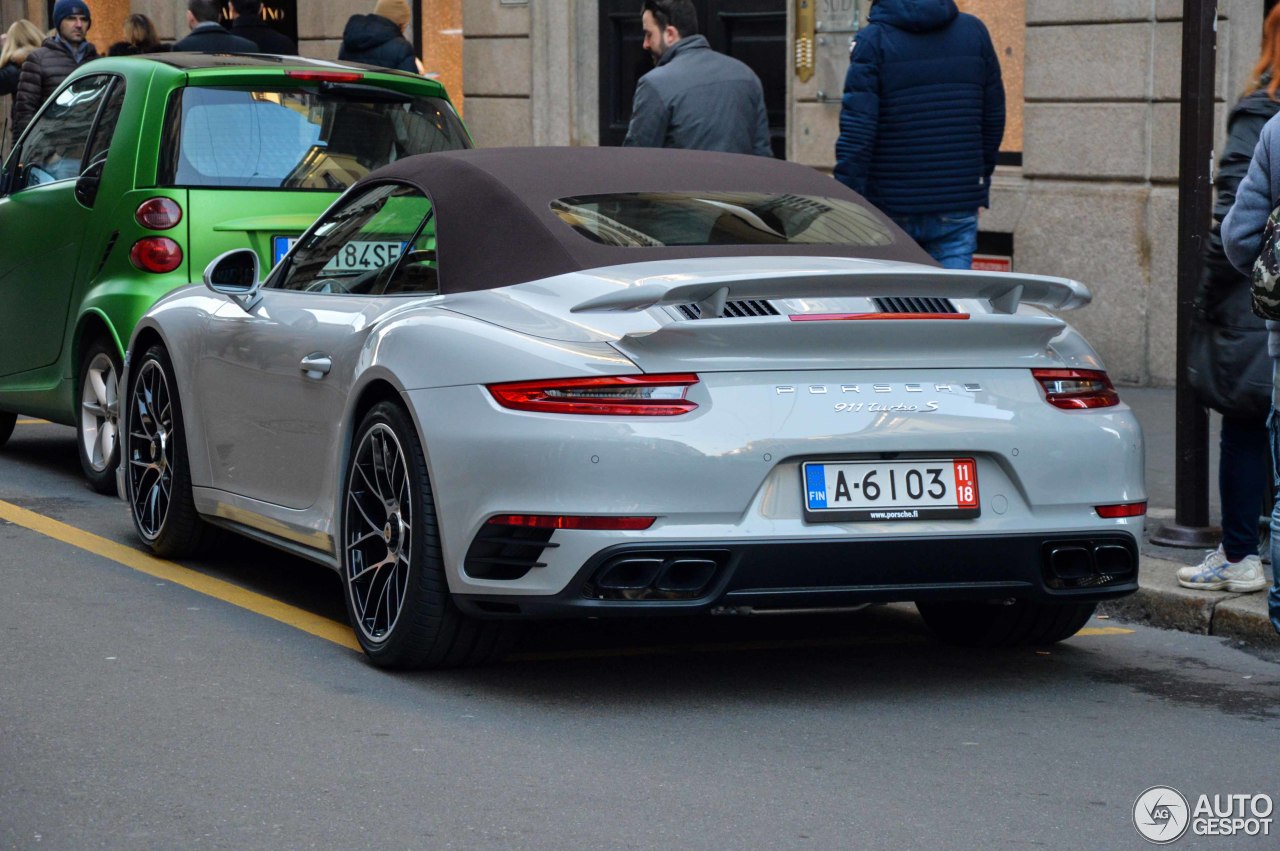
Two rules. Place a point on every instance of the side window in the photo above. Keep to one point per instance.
(105, 129)
(381, 242)
(54, 149)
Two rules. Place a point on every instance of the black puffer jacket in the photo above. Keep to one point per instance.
(44, 70)
(9, 75)
(1223, 300)
(375, 40)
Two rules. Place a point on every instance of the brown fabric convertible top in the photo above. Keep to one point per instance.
(495, 226)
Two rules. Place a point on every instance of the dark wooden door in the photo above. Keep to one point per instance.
(753, 31)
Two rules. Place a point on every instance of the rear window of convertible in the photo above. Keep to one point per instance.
(653, 219)
(259, 138)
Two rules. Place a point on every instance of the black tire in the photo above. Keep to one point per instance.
(7, 422)
(390, 553)
(158, 475)
(997, 625)
(97, 389)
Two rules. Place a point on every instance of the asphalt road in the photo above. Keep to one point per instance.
(139, 712)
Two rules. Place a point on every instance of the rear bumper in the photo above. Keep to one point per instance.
(666, 578)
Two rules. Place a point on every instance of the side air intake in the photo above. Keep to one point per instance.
(914, 304)
(732, 309)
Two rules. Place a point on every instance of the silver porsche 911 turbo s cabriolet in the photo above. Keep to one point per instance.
(499, 384)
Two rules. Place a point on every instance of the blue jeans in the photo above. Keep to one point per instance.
(1242, 480)
(950, 238)
(1273, 596)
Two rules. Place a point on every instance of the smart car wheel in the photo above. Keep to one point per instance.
(997, 625)
(7, 422)
(158, 477)
(99, 412)
(393, 571)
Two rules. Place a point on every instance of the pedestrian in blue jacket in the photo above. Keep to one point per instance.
(921, 121)
(1257, 195)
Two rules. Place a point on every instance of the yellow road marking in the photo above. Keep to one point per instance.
(32, 422)
(1104, 630)
(219, 589)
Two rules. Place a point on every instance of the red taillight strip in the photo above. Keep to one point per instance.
(592, 395)
(325, 76)
(832, 317)
(573, 521)
(1122, 509)
(1075, 389)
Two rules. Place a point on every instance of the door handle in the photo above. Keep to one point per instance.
(316, 365)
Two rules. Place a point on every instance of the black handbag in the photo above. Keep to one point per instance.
(1228, 367)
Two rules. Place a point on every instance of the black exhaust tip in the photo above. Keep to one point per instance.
(1088, 563)
(656, 576)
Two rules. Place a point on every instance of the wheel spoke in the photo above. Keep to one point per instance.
(367, 536)
(371, 570)
(99, 387)
(372, 488)
(369, 522)
(106, 443)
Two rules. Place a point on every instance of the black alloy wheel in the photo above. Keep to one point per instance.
(158, 477)
(392, 567)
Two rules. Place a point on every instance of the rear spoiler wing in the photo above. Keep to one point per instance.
(1004, 290)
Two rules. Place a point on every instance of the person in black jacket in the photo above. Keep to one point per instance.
(1229, 367)
(247, 22)
(49, 64)
(378, 39)
(209, 36)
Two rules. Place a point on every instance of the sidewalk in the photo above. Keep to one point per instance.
(1160, 601)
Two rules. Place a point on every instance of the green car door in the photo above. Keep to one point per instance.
(39, 210)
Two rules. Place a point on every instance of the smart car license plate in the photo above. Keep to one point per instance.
(918, 489)
(359, 255)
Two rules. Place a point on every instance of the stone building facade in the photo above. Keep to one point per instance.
(1088, 188)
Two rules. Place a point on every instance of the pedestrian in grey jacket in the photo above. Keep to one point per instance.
(694, 97)
(1257, 195)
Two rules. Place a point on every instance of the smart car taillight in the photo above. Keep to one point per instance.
(158, 213)
(573, 521)
(614, 395)
(1073, 389)
(156, 254)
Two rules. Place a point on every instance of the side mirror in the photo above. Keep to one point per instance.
(88, 182)
(235, 274)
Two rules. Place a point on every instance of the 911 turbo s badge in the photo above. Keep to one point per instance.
(885, 407)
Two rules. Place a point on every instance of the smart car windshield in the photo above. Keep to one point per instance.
(640, 219)
(291, 139)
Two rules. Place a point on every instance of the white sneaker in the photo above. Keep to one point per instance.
(1212, 559)
(1215, 573)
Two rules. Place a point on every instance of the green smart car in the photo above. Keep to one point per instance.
(139, 171)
